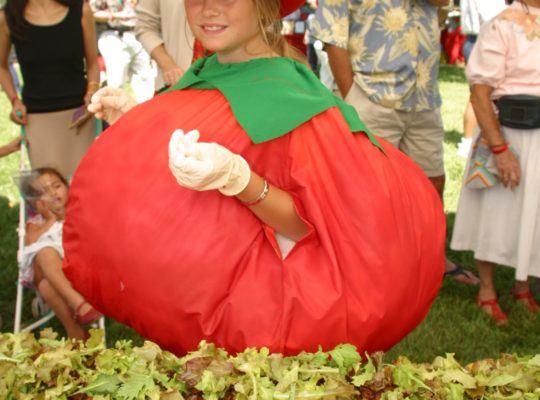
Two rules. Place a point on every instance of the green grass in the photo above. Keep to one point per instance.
(454, 323)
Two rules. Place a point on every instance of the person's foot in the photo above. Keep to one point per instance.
(460, 275)
(491, 307)
(526, 299)
(86, 314)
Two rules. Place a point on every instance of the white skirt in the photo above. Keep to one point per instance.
(500, 225)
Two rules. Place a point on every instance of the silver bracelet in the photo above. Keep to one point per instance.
(260, 198)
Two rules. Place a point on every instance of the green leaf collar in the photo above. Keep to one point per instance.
(269, 96)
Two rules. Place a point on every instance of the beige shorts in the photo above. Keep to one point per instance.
(419, 134)
(53, 144)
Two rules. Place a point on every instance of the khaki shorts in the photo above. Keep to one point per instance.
(419, 134)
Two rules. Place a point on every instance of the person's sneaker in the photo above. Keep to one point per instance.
(464, 147)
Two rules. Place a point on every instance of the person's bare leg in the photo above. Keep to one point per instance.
(61, 309)
(469, 121)
(438, 182)
(486, 271)
(487, 294)
(521, 288)
(50, 265)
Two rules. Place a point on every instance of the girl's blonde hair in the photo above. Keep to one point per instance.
(269, 19)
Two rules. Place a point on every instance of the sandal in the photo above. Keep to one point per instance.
(529, 302)
(461, 275)
(495, 313)
(88, 317)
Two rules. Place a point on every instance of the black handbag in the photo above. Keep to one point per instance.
(520, 111)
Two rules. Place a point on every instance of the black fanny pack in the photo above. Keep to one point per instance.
(520, 111)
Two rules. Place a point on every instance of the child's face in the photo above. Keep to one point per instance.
(54, 194)
(226, 27)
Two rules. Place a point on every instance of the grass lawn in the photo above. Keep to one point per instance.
(454, 323)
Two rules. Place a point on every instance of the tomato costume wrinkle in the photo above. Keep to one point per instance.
(180, 266)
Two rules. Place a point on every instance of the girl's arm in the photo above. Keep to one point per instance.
(507, 163)
(5, 76)
(34, 231)
(208, 166)
(276, 210)
(90, 52)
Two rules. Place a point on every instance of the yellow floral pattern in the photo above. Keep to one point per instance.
(393, 44)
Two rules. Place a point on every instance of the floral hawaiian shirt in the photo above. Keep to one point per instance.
(394, 47)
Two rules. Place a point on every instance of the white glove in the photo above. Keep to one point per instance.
(110, 103)
(206, 166)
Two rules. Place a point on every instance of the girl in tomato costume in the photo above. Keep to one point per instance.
(248, 206)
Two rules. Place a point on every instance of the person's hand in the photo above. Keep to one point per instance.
(111, 103)
(44, 207)
(18, 112)
(172, 75)
(508, 169)
(206, 166)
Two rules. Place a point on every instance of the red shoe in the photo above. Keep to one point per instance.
(88, 317)
(495, 312)
(528, 302)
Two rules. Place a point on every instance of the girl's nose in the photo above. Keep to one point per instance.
(211, 8)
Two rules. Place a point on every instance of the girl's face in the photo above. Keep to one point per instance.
(54, 194)
(228, 27)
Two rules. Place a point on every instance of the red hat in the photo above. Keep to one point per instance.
(289, 6)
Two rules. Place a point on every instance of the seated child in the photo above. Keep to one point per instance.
(46, 190)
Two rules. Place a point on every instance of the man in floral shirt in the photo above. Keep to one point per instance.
(384, 55)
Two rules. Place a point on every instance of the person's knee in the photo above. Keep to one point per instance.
(47, 258)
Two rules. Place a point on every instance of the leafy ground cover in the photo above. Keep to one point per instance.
(454, 323)
(48, 368)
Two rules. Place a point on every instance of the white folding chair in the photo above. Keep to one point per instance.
(39, 308)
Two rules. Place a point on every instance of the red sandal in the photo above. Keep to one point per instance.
(496, 314)
(88, 317)
(529, 302)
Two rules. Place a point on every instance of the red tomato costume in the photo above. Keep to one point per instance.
(180, 266)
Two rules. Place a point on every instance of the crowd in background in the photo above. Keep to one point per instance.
(382, 57)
